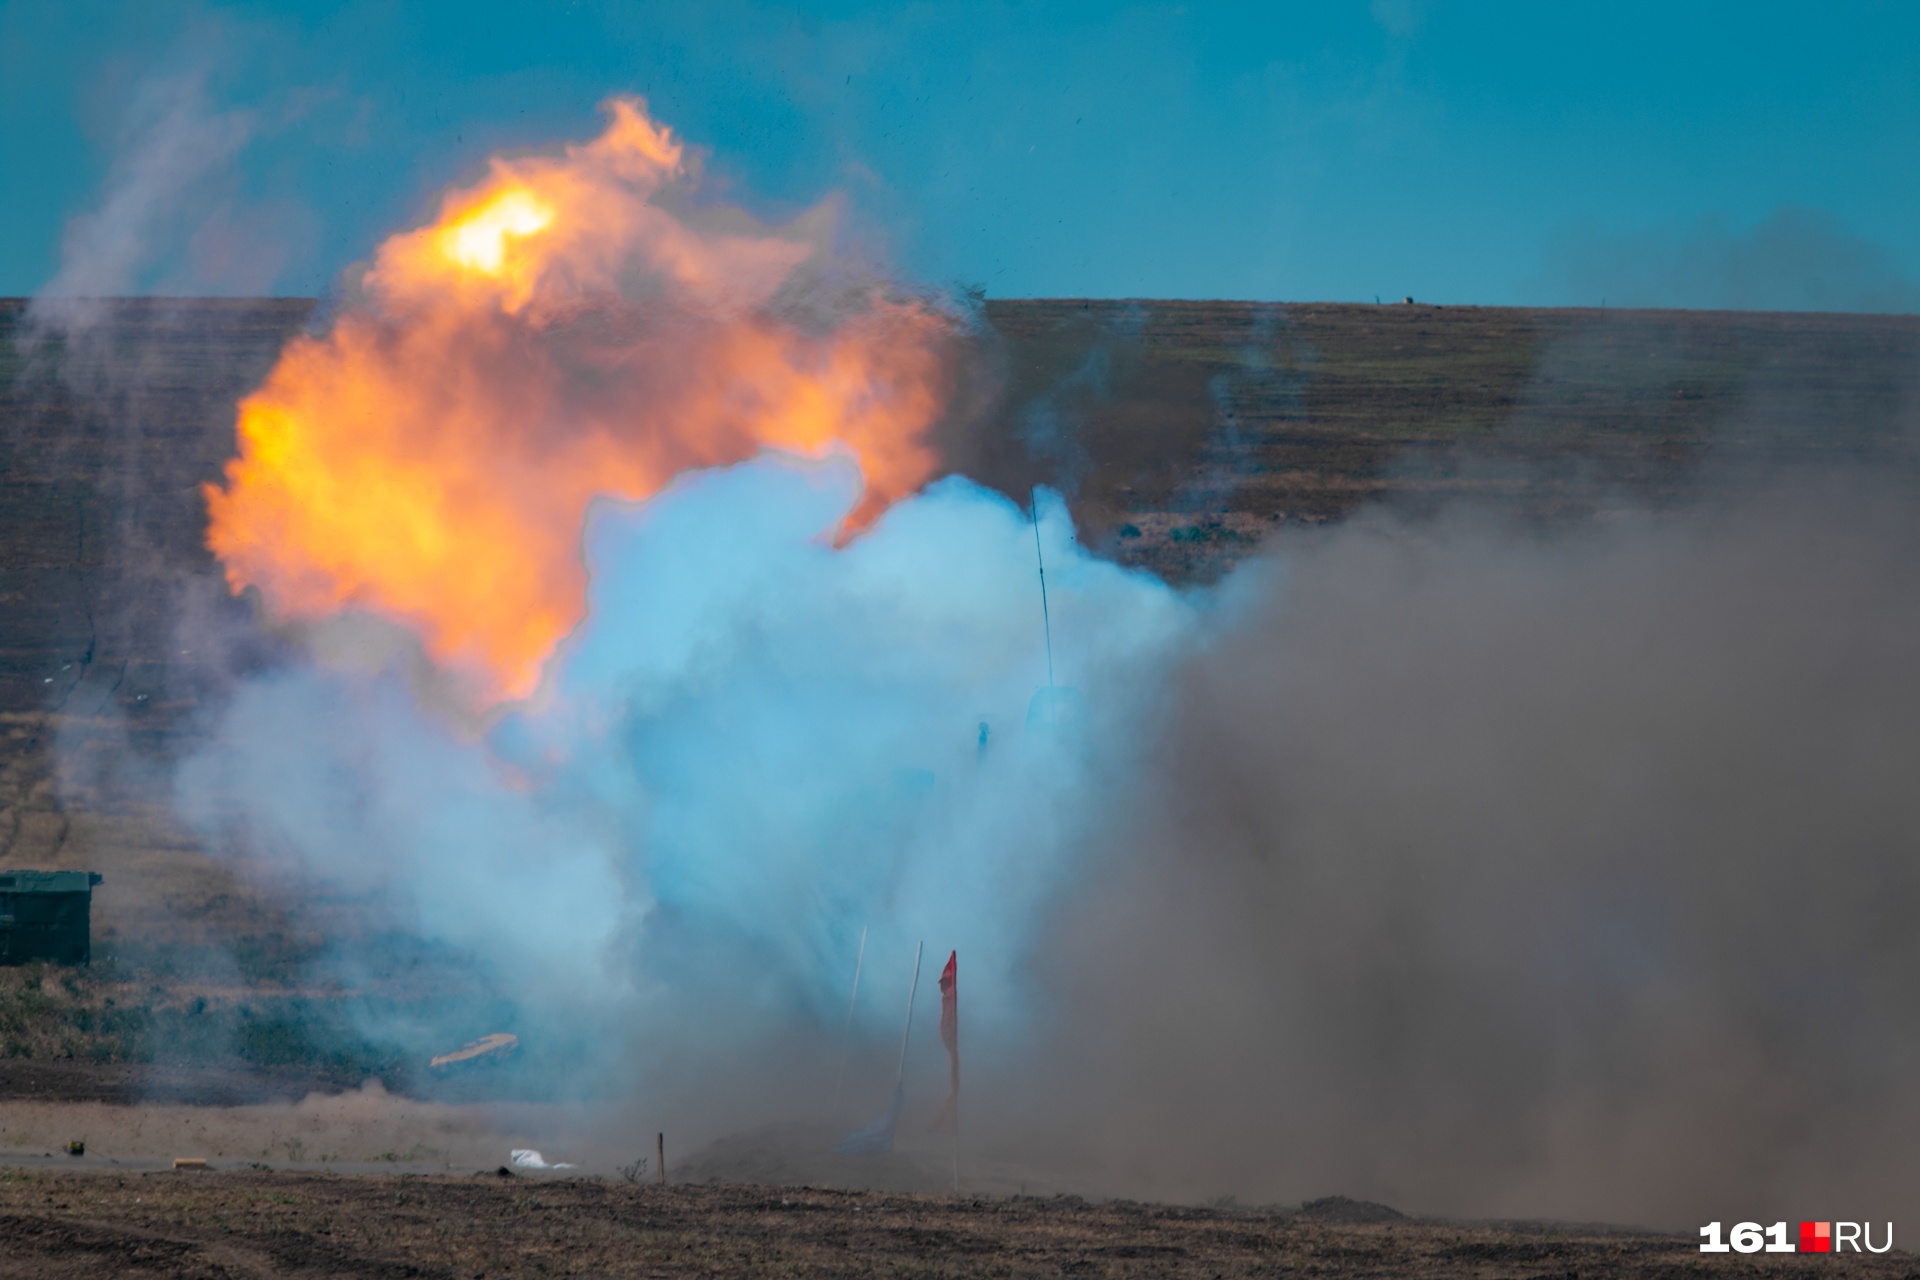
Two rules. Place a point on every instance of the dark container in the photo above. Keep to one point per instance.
(46, 915)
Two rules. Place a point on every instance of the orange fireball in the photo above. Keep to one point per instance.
(557, 333)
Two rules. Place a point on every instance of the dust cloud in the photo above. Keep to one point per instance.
(1497, 872)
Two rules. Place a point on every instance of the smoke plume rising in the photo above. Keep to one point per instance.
(168, 175)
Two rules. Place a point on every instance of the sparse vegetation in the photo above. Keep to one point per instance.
(49, 1011)
(58, 1014)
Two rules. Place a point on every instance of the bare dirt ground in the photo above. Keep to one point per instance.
(367, 1128)
(248, 1222)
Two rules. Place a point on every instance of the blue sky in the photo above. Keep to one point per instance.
(1672, 154)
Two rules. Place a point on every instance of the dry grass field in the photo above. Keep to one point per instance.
(1184, 431)
(1181, 433)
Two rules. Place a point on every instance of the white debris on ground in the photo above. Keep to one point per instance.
(526, 1158)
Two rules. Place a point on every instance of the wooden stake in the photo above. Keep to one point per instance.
(660, 1155)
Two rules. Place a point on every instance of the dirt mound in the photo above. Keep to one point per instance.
(1342, 1209)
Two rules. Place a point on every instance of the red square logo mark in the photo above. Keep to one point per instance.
(1816, 1237)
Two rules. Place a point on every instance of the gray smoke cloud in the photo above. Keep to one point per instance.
(1793, 260)
(1497, 873)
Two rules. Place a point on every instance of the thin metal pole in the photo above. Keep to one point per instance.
(846, 1033)
(858, 959)
(901, 1077)
(1045, 616)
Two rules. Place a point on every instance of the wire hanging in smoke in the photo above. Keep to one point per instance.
(1046, 618)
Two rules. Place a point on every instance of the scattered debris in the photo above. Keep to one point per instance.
(77, 1147)
(189, 1162)
(487, 1049)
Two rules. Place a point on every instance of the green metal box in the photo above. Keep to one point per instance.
(46, 915)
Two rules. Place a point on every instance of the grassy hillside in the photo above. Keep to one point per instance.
(1201, 424)
(1182, 432)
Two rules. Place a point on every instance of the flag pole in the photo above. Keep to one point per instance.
(846, 1032)
(950, 1036)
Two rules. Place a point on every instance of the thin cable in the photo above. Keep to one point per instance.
(1046, 617)
(846, 1035)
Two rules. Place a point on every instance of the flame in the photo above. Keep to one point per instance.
(479, 240)
(555, 334)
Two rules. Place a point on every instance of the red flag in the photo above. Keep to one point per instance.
(949, 1117)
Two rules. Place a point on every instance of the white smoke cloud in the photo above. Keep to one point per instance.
(756, 746)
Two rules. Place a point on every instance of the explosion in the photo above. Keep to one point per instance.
(580, 406)
(570, 327)
(1431, 859)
